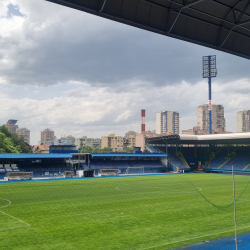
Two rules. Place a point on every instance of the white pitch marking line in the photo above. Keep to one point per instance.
(175, 191)
(193, 238)
(15, 218)
(4, 228)
(5, 200)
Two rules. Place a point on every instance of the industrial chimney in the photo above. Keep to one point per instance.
(143, 112)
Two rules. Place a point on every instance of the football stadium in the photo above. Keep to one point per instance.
(72, 200)
(188, 192)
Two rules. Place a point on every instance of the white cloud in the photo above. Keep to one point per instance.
(125, 115)
(99, 111)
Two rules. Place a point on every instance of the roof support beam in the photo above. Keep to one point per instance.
(238, 22)
(68, 3)
(187, 5)
(103, 5)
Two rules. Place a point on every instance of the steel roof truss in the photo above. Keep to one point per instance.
(187, 5)
(198, 11)
(103, 5)
(238, 22)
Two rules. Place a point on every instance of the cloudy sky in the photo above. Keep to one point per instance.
(80, 74)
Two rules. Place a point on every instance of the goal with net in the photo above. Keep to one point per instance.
(135, 170)
(108, 172)
(19, 176)
(68, 174)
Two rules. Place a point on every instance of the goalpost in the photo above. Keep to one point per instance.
(68, 174)
(19, 176)
(108, 172)
(135, 170)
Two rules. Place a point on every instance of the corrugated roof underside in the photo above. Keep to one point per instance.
(216, 24)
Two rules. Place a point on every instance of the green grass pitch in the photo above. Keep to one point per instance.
(145, 212)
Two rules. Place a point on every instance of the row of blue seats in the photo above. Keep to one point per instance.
(175, 161)
(240, 161)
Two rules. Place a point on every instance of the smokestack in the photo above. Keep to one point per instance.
(143, 114)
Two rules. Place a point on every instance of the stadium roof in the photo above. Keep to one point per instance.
(232, 138)
(219, 24)
(129, 155)
(33, 156)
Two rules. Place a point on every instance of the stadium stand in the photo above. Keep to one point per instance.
(228, 156)
(176, 161)
(151, 162)
(211, 153)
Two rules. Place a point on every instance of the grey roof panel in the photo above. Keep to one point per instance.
(218, 24)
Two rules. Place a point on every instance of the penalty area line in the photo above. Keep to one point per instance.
(16, 218)
(6, 228)
(192, 238)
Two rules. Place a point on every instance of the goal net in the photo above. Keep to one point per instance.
(68, 174)
(135, 170)
(19, 176)
(108, 172)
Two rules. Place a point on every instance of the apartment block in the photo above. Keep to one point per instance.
(118, 143)
(167, 121)
(243, 121)
(25, 133)
(218, 119)
(47, 137)
(63, 141)
(85, 141)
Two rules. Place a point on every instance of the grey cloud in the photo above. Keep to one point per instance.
(111, 56)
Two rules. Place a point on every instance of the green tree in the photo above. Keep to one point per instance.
(97, 150)
(129, 150)
(14, 143)
(85, 149)
(7, 145)
(107, 149)
(146, 150)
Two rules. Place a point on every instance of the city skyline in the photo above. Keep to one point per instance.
(202, 110)
(95, 94)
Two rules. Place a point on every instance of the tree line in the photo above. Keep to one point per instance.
(89, 149)
(12, 143)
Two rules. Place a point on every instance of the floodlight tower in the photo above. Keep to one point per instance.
(209, 71)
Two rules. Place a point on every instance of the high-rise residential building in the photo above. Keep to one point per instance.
(167, 121)
(85, 141)
(243, 121)
(47, 137)
(12, 126)
(218, 119)
(118, 143)
(63, 141)
(25, 133)
(72, 138)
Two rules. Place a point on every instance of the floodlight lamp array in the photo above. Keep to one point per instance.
(209, 66)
